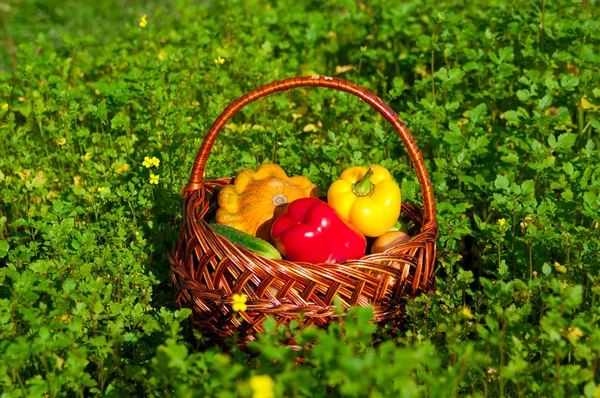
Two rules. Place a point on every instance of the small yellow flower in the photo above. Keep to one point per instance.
(61, 141)
(262, 386)
(150, 161)
(466, 312)
(4, 106)
(239, 302)
(154, 178)
(64, 318)
(103, 189)
(502, 222)
(143, 22)
(219, 60)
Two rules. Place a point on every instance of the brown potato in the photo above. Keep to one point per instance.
(388, 240)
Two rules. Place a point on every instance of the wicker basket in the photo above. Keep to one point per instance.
(208, 270)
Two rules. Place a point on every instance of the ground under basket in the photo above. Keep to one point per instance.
(207, 270)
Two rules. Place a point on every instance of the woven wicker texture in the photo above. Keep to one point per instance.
(207, 269)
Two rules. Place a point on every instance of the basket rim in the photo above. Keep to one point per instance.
(197, 174)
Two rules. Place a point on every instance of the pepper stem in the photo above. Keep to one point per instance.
(364, 187)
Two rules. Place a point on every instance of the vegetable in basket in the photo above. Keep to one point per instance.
(257, 198)
(367, 198)
(311, 231)
(388, 240)
(247, 241)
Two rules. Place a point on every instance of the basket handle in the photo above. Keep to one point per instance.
(195, 181)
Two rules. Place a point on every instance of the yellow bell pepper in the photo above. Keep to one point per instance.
(367, 198)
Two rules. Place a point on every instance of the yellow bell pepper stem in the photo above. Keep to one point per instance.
(364, 187)
(367, 198)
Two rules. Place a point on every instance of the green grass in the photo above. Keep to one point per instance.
(509, 129)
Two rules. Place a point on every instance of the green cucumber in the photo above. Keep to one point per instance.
(247, 241)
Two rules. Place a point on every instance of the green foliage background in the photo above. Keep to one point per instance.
(509, 128)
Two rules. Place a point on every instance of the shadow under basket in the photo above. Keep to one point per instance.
(207, 269)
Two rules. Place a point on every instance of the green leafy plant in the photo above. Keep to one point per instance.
(104, 105)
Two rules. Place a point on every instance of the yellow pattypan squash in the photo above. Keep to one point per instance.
(256, 198)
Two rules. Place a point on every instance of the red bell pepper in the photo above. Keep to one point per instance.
(312, 231)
